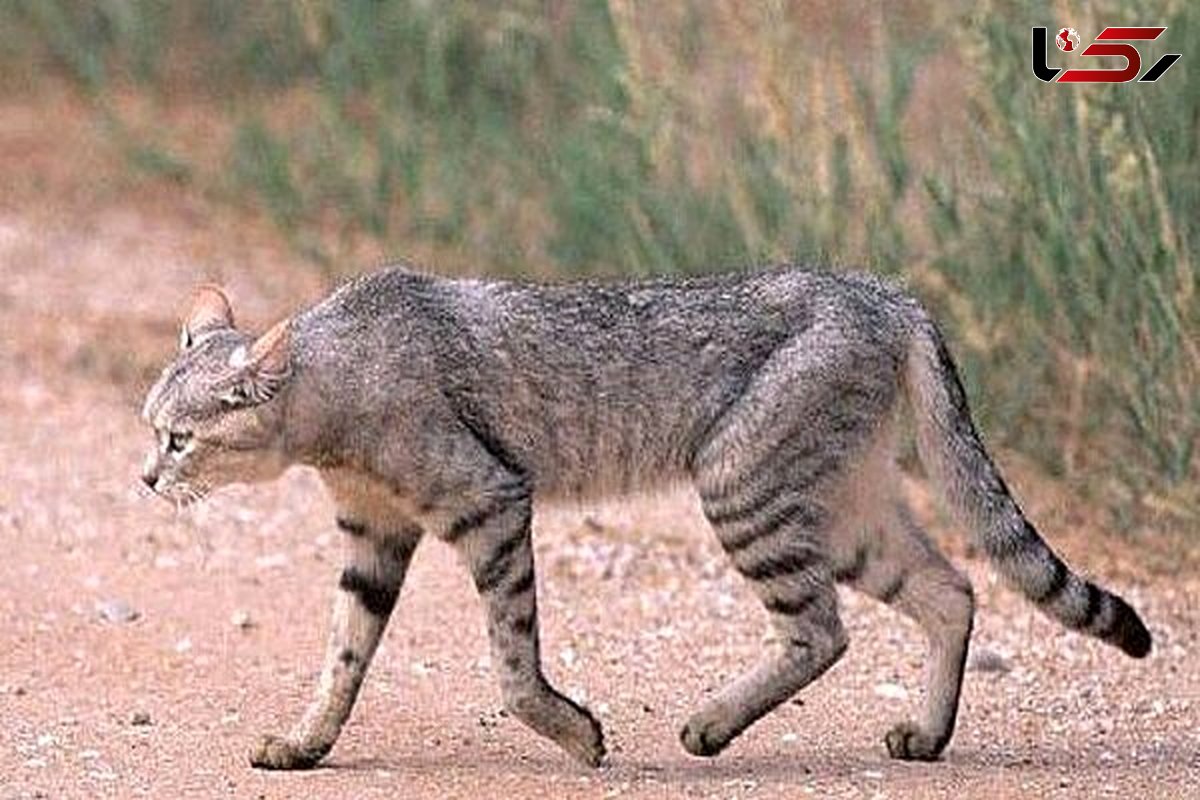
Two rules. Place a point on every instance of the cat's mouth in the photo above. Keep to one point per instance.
(182, 495)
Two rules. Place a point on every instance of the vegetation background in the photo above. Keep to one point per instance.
(1052, 227)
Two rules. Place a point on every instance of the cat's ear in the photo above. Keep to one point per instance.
(262, 367)
(209, 310)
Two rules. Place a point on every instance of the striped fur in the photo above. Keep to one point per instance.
(951, 448)
(445, 407)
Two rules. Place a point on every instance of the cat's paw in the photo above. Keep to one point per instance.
(587, 745)
(276, 752)
(704, 735)
(907, 742)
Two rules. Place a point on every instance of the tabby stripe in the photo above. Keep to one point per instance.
(849, 573)
(469, 522)
(890, 592)
(732, 541)
(1058, 582)
(1095, 600)
(521, 585)
(514, 494)
(731, 515)
(798, 479)
(375, 596)
(774, 565)
(352, 527)
(523, 624)
(799, 514)
(498, 565)
(791, 607)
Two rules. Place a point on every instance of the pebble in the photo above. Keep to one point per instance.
(568, 656)
(891, 691)
(273, 561)
(241, 619)
(141, 718)
(116, 611)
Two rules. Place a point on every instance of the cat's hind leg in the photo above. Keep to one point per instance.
(764, 473)
(896, 563)
(778, 547)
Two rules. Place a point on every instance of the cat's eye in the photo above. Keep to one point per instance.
(236, 396)
(177, 441)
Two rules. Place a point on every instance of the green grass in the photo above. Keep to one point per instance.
(1054, 227)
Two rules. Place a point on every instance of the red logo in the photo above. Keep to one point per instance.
(1067, 40)
(1112, 41)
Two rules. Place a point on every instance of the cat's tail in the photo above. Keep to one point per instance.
(971, 486)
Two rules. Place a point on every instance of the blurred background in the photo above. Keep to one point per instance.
(1052, 227)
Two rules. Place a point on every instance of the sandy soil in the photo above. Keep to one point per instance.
(641, 617)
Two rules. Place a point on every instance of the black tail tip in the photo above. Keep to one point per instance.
(1129, 632)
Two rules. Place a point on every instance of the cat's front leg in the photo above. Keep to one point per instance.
(377, 554)
(493, 537)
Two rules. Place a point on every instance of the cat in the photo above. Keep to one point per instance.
(443, 407)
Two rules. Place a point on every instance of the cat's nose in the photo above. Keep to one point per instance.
(150, 479)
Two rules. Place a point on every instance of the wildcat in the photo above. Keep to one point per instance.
(444, 407)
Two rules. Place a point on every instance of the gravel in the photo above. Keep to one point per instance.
(640, 612)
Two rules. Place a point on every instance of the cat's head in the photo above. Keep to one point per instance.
(215, 410)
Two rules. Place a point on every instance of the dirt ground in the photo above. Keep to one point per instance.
(142, 651)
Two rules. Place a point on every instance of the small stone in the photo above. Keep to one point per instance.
(141, 719)
(568, 656)
(273, 561)
(183, 645)
(984, 660)
(891, 691)
(164, 561)
(789, 738)
(241, 619)
(116, 611)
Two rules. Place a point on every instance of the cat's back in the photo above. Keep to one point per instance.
(787, 296)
